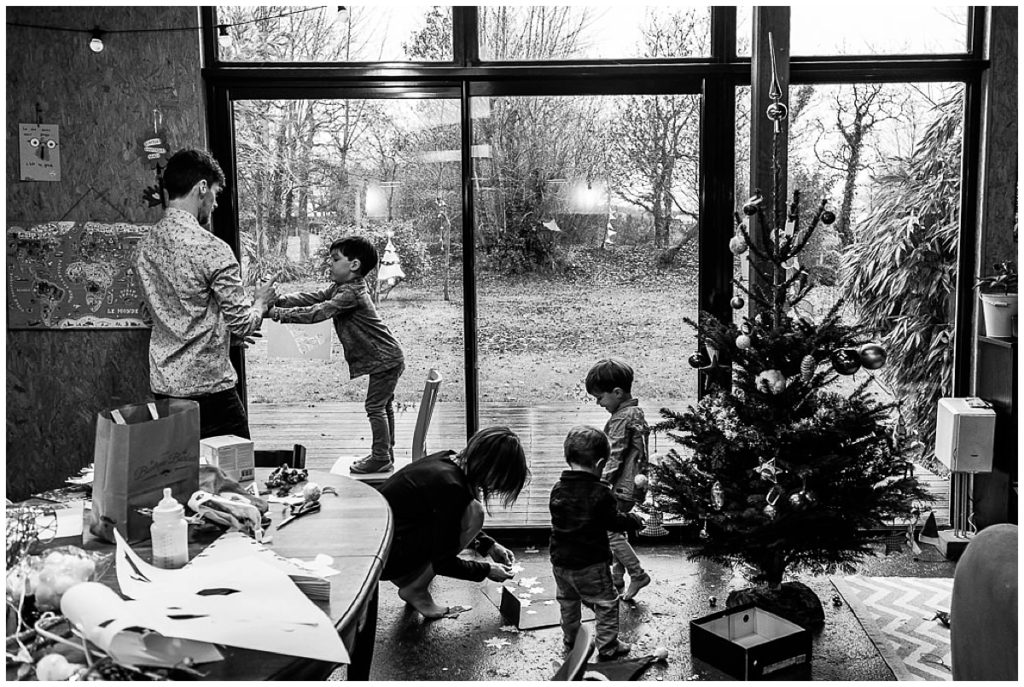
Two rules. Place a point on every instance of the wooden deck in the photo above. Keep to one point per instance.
(333, 430)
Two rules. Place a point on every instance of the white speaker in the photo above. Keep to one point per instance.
(965, 434)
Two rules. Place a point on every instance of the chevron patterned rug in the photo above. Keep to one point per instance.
(898, 613)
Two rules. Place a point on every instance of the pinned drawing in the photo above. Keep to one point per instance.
(302, 341)
(40, 152)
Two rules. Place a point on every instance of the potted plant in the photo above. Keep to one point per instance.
(998, 292)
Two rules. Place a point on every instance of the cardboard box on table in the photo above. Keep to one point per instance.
(748, 642)
(235, 456)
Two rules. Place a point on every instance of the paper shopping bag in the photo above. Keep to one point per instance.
(136, 460)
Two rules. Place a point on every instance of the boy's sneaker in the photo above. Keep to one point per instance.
(370, 464)
(620, 650)
(635, 585)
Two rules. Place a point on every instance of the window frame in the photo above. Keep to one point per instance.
(715, 77)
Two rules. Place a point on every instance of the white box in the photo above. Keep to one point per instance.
(234, 455)
(965, 432)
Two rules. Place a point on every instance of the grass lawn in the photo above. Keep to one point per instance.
(538, 336)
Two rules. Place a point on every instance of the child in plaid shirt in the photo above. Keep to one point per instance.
(370, 348)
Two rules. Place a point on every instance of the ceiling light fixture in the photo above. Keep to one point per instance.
(96, 44)
(223, 37)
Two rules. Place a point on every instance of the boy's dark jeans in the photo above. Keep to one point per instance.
(220, 413)
(591, 585)
(380, 410)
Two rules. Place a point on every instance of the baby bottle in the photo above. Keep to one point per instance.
(169, 533)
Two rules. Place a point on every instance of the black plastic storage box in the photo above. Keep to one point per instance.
(749, 642)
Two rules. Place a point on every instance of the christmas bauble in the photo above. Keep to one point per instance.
(717, 495)
(828, 217)
(743, 342)
(704, 534)
(738, 245)
(753, 203)
(845, 361)
(777, 112)
(699, 359)
(640, 481)
(872, 356)
(797, 499)
(737, 302)
(771, 381)
(769, 510)
(712, 601)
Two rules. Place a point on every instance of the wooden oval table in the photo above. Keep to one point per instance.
(355, 528)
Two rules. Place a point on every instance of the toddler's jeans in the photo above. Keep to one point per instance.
(624, 558)
(591, 585)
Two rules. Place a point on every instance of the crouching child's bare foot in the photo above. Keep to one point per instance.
(423, 602)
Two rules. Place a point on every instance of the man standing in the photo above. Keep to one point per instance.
(192, 286)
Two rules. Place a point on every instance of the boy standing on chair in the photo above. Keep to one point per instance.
(610, 382)
(370, 347)
(583, 511)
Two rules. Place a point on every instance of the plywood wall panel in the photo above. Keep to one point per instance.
(58, 380)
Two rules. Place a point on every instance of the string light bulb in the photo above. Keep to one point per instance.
(343, 14)
(96, 43)
(223, 37)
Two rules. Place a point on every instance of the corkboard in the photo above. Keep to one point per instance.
(103, 103)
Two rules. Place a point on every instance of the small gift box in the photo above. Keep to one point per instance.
(748, 642)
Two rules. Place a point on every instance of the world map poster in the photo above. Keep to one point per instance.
(73, 275)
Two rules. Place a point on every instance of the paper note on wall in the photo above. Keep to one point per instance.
(40, 152)
(303, 341)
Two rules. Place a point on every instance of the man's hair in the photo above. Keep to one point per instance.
(186, 168)
(357, 247)
(495, 463)
(608, 374)
(586, 446)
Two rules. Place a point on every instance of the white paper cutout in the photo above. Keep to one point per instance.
(302, 341)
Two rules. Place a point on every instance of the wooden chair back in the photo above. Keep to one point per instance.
(426, 412)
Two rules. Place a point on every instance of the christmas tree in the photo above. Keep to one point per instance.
(389, 272)
(783, 473)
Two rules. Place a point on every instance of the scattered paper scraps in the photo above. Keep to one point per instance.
(509, 628)
(531, 549)
(516, 568)
(455, 611)
(522, 607)
(497, 643)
